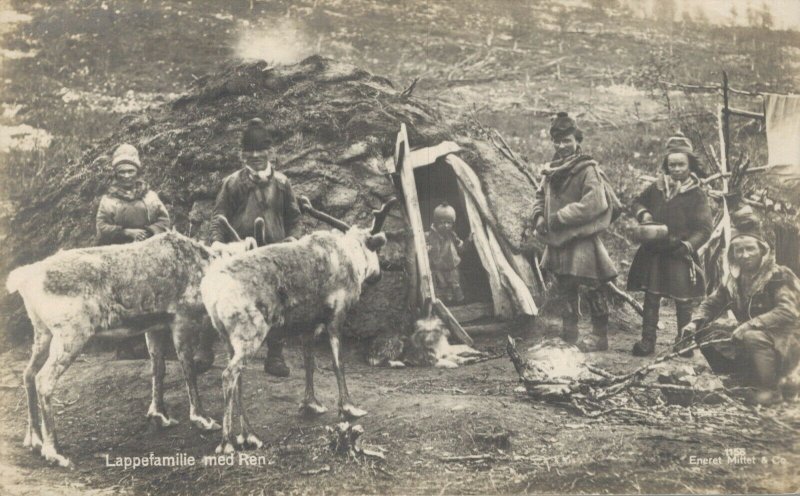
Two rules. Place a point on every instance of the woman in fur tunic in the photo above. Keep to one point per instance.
(670, 267)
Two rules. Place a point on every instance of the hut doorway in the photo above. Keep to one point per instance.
(437, 183)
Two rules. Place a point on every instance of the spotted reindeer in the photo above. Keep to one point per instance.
(116, 290)
(303, 287)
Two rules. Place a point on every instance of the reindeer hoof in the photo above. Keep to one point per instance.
(224, 448)
(161, 421)
(312, 408)
(49, 453)
(351, 412)
(205, 423)
(250, 442)
(32, 441)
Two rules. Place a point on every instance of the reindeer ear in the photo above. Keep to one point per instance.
(375, 241)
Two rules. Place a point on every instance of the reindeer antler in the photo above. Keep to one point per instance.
(380, 215)
(305, 206)
(222, 220)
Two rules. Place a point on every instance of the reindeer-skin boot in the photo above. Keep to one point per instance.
(647, 346)
(764, 360)
(598, 339)
(274, 363)
(569, 322)
(204, 358)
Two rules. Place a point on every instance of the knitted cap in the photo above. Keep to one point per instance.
(564, 125)
(443, 213)
(679, 143)
(256, 136)
(126, 154)
(744, 222)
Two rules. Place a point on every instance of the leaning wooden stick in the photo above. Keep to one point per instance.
(624, 381)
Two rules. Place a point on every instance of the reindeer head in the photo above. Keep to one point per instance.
(225, 250)
(370, 240)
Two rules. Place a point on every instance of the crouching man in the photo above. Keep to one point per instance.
(765, 299)
(257, 191)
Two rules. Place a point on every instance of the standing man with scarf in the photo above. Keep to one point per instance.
(257, 190)
(130, 211)
(670, 267)
(571, 210)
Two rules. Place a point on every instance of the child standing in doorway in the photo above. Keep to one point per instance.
(444, 250)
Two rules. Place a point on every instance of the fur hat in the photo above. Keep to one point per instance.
(564, 125)
(444, 212)
(744, 222)
(679, 143)
(256, 136)
(125, 154)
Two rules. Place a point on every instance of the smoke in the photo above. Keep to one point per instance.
(284, 42)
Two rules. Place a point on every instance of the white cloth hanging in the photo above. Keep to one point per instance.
(783, 133)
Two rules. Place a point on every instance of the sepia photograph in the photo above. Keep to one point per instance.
(402, 247)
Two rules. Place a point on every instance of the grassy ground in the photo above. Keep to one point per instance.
(502, 64)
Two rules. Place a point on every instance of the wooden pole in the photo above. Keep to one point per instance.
(726, 120)
(402, 151)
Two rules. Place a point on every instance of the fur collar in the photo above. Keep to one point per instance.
(764, 274)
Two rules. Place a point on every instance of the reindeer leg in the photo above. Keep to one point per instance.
(157, 413)
(310, 405)
(183, 330)
(244, 338)
(39, 353)
(64, 348)
(247, 440)
(346, 407)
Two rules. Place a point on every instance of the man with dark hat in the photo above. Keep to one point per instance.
(765, 299)
(256, 191)
(571, 210)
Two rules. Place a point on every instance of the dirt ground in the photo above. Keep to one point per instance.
(417, 415)
(74, 68)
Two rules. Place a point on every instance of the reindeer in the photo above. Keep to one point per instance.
(116, 290)
(299, 287)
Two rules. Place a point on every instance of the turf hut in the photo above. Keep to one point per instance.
(339, 127)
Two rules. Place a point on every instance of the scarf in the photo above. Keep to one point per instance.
(137, 192)
(560, 169)
(675, 188)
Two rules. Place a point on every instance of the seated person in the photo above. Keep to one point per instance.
(765, 299)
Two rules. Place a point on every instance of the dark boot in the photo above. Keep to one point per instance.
(683, 309)
(598, 339)
(647, 346)
(765, 372)
(274, 363)
(569, 323)
(133, 348)
(204, 356)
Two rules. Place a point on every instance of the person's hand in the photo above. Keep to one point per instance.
(647, 217)
(471, 238)
(288, 239)
(689, 329)
(541, 226)
(739, 332)
(556, 224)
(136, 234)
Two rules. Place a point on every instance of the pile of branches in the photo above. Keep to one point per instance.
(599, 393)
